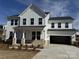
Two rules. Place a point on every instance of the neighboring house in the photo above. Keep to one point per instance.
(36, 24)
(1, 32)
(77, 36)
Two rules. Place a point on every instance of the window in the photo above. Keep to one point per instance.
(11, 35)
(52, 25)
(24, 21)
(66, 25)
(38, 35)
(33, 35)
(59, 25)
(16, 22)
(32, 21)
(11, 22)
(40, 21)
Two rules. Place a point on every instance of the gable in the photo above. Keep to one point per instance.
(30, 14)
(35, 9)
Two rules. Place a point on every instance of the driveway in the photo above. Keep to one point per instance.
(56, 51)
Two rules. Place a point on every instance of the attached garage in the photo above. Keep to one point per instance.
(60, 36)
(60, 39)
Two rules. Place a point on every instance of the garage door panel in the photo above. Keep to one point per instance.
(60, 39)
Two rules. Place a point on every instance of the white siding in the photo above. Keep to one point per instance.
(70, 25)
(46, 27)
(62, 26)
(9, 27)
(73, 38)
(61, 33)
(28, 15)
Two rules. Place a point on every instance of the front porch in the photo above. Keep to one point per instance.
(24, 35)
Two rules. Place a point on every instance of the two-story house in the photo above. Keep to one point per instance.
(35, 24)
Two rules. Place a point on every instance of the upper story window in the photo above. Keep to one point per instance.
(40, 21)
(24, 21)
(66, 25)
(12, 21)
(32, 21)
(59, 25)
(52, 25)
(16, 22)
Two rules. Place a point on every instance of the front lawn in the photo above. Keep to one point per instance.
(17, 54)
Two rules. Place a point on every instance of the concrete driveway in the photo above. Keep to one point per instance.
(56, 51)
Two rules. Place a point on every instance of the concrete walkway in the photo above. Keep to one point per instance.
(55, 51)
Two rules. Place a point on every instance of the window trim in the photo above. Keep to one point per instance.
(24, 21)
(32, 21)
(40, 22)
(52, 25)
(59, 25)
(12, 22)
(66, 25)
(16, 22)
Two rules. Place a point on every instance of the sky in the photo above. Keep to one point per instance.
(55, 7)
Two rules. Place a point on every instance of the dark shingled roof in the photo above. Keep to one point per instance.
(16, 15)
(37, 9)
(61, 18)
(62, 30)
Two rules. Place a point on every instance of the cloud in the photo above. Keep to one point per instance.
(6, 12)
(25, 2)
(59, 8)
(76, 22)
(56, 7)
(14, 11)
(76, 3)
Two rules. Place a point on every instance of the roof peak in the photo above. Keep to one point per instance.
(36, 9)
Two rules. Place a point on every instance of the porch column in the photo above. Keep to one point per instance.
(14, 39)
(23, 39)
(73, 38)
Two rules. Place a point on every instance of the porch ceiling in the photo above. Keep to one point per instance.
(29, 28)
